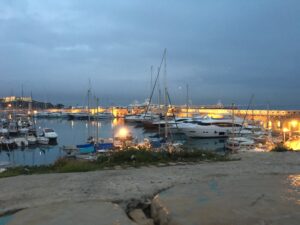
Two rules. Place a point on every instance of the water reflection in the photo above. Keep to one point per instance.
(76, 132)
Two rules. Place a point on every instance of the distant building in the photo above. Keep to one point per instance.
(15, 99)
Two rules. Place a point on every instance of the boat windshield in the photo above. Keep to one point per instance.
(48, 130)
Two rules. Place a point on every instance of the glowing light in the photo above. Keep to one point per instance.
(9, 105)
(294, 123)
(285, 130)
(293, 143)
(270, 124)
(278, 124)
(123, 132)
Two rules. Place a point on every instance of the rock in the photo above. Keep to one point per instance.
(70, 213)
(245, 200)
(138, 216)
(162, 164)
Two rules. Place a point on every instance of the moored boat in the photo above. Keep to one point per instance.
(42, 140)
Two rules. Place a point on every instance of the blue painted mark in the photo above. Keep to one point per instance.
(5, 219)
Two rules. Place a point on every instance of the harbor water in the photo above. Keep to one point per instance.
(74, 132)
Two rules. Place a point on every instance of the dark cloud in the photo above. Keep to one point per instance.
(224, 50)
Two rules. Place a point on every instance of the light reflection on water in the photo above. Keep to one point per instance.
(76, 132)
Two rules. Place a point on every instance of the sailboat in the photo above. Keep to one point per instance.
(87, 147)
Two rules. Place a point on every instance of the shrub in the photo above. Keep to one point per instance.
(281, 148)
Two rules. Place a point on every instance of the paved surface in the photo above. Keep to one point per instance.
(265, 199)
(246, 175)
(84, 213)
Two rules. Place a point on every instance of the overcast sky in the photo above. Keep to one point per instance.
(224, 49)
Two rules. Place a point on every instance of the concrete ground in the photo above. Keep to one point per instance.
(81, 213)
(259, 178)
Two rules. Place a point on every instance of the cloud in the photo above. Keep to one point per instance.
(79, 47)
(223, 49)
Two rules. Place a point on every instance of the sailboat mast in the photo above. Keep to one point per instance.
(151, 86)
(159, 101)
(166, 92)
(97, 111)
(233, 118)
(89, 116)
(187, 100)
(268, 116)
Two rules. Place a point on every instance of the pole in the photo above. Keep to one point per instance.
(97, 120)
(166, 91)
(159, 101)
(89, 116)
(187, 100)
(233, 134)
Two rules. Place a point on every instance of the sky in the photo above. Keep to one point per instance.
(225, 50)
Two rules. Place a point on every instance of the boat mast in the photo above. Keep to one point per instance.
(233, 134)
(166, 92)
(89, 116)
(187, 100)
(268, 116)
(151, 86)
(97, 111)
(159, 102)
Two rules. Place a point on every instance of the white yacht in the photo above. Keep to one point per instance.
(208, 127)
(141, 117)
(50, 134)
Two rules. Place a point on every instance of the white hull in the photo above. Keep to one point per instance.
(21, 142)
(198, 131)
(238, 143)
(43, 140)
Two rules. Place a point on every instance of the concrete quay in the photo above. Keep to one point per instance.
(261, 188)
